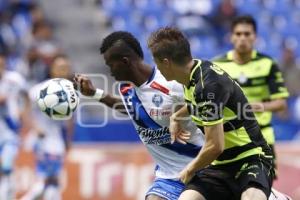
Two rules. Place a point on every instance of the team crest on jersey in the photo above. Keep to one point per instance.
(157, 100)
(242, 78)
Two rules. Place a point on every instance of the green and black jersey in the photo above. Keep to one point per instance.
(261, 80)
(213, 97)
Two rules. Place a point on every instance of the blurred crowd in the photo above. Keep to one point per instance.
(26, 39)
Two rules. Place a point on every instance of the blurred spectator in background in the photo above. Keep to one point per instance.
(51, 139)
(8, 37)
(42, 52)
(191, 16)
(258, 75)
(291, 70)
(222, 18)
(13, 104)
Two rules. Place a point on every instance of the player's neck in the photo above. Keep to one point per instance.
(142, 74)
(242, 58)
(184, 73)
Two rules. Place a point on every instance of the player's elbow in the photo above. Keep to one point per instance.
(284, 105)
(217, 149)
(281, 105)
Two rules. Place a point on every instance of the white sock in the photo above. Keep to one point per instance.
(35, 192)
(52, 193)
(6, 188)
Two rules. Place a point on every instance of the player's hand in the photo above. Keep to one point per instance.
(186, 175)
(177, 132)
(84, 85)
(257, 107)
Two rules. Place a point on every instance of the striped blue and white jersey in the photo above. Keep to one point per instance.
(150, 107)
(12, 84)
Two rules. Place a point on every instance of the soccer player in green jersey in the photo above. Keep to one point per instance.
(256, 73)
(234, 162)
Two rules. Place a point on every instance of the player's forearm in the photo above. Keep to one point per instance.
(114, 102)
(205, 157)
(213, 147)
(275, 105)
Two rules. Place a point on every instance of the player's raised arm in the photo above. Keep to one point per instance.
(86, 88)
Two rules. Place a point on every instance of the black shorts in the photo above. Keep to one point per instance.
(274, 160)
(228, 182)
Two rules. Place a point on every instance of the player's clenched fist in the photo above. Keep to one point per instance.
(84, 85)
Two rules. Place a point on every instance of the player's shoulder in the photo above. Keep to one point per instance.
(14, 78)
(221, 58)
(13, 75)
(160, 81)
(171, 89)
(34, 90)
(260, 56)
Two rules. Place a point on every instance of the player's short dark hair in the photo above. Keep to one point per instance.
(244, 19)
(169, 42)
(125, 37)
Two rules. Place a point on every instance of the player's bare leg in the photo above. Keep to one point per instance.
(253, 193)
(191, 195)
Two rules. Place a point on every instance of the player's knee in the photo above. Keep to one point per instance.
(154, 197)
(191, 195)
(52, 181)
(253, 193)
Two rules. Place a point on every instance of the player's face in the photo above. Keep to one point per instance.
(119, 67)
(164, 68)
(243, 38)
(60, 68)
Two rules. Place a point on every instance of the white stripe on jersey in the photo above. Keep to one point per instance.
(11, 86)
(150, 109)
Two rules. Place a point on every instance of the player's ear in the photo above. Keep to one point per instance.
(166, 62)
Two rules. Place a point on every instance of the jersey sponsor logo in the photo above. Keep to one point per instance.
(159, 87)
(154, 136)
(159, 112)
(157, 100)
(242, 78)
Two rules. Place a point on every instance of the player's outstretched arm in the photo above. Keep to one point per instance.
(86, 88)
(272, 106)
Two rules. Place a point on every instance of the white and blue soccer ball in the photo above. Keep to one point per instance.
(57, 98)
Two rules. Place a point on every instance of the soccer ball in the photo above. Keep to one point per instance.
(57, 98)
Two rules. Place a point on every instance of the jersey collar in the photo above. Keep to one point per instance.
(230, 54)
(193, 75)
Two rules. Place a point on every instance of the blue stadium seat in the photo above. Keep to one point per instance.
(249, 7)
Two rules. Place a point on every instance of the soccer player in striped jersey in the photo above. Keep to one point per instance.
(149, 100)
(257, 74)
(234, 162)
(14, 103)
